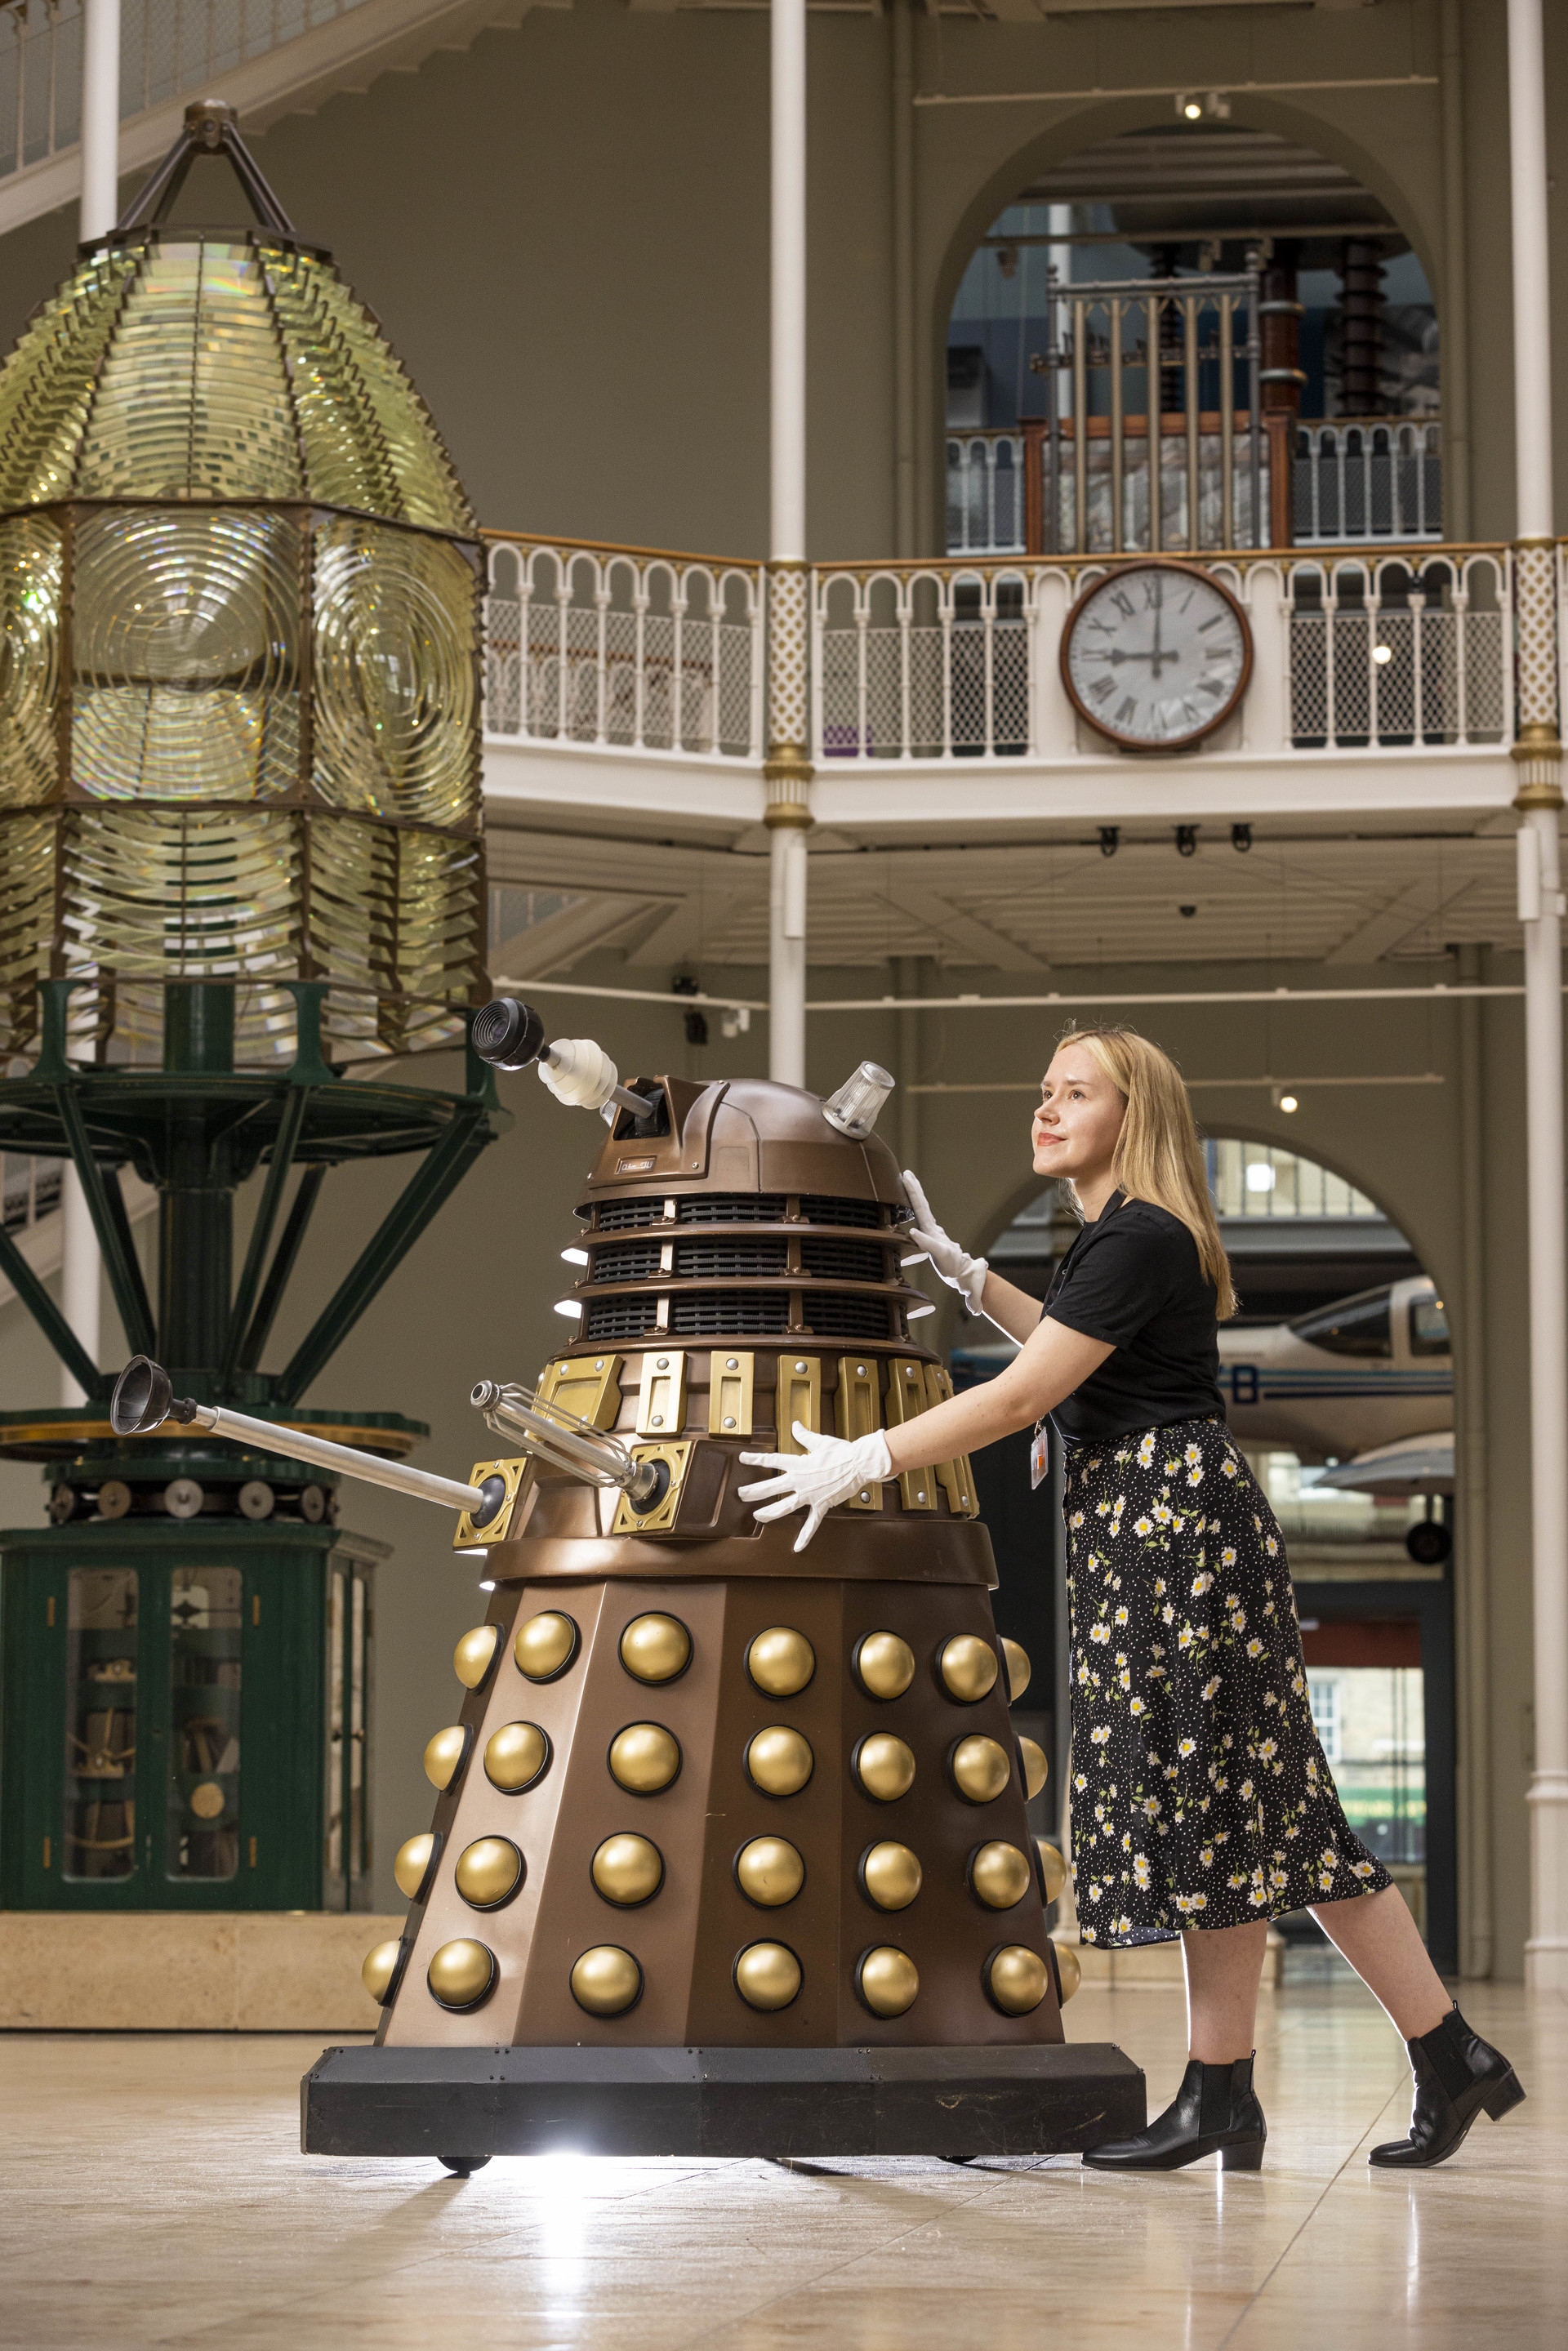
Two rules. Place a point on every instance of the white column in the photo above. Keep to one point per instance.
(788, 767)
(100, 118)
(1539, 800)
(80, 1274)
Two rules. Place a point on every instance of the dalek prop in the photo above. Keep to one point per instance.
(729, 1853)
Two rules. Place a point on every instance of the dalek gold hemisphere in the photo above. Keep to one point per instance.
(729, 1853)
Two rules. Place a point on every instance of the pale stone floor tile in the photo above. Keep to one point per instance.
(151, 2194)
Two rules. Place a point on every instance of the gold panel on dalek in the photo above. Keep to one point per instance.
(729, 1853)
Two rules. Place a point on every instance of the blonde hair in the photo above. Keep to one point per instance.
(1158, 1156)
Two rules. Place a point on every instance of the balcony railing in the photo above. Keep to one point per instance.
(1354, 481)
(943, 662)
(626, 650)
(623, 648)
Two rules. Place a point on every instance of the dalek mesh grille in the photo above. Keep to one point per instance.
(732, 1208)
(729, 1313)
(838, 1314)
(835, 1260)
(627, 1215)
(731, 1261)
(619, 1318)
(818, 1208)
(627, 1261)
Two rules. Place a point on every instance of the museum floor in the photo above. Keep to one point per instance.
(152, 2193)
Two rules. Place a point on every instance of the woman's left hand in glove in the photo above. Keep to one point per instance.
(831, 1470)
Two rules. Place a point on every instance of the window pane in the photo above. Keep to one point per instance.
(1380, 1769)
(1428, 1327)
(1353, 1326)
(203, 1701)
(101, 1722)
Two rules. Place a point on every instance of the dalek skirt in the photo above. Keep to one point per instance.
(1200, 1793)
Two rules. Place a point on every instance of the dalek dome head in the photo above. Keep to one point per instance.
(239, 706)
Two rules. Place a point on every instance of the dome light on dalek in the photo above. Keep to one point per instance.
(729, 1848)
(242, 882)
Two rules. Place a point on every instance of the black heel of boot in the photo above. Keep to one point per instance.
(1508, 2094)
(1246, 2155)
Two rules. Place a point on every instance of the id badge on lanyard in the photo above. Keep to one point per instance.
(1039, 1457)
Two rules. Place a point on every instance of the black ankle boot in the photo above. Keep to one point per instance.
(1214, 2113)
(1456, 2076)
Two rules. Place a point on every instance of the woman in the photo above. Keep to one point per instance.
(1202, 1805)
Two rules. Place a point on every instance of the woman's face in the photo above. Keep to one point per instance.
(1076, 1127)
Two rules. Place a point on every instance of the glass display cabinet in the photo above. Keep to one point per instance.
(191, 1733)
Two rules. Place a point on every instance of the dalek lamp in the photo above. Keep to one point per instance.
(728, 1853)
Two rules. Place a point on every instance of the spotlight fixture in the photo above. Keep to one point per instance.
(1109, 839)
(1193, 108)
(1381, 653)
(1241, 837)
(1187, 840)
(1288, 1103)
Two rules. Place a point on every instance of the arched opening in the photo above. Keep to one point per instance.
(1337, 1376)
(1252, 298)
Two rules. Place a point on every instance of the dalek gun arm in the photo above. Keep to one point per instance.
(552, 1433)
(143, 1400)
(510, 1035)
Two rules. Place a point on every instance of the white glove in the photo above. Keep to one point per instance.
(580, 1072)
(829, 1471)
(960, 1272)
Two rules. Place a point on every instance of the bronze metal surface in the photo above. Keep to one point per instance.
(1019, 1670)
(865, 1549)
(884, 1766)
(968, 1667)
(769, 1872)
(906, 1401)
(606, 1981)
(461, 1973)
(475, 1653)
(546, 1646)
(980, 1768)
(628, 1870)
(1069, 1968)
(587, 1386)
(798, 1395)
(780, 1661)
(767, 1975)
(779, 1761)
(857, 1412)
(1001, 1875)
(890, 1875)
(515, 1755)
(888, 1981)
(446, 1753)
(489, 1872)
(655, 1648)
(1017, 1979)
(1036, 1769)
(644, 1757)
(884, 1664)
(412, 1865)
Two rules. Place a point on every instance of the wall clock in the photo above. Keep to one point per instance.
(1157, 655)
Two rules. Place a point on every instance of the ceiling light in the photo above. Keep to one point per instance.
(1383, 653)
(1191, 108)
(1289, 1102)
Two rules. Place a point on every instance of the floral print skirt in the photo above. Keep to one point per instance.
(1200, 1794)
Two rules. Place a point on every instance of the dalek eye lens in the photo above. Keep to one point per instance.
(781, 1661)
(546, 1646)
(655, 1648)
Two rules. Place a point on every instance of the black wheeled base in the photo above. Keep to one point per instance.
(470, 2104)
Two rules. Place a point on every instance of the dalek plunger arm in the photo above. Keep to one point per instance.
(143, 1399)
(510, 1035)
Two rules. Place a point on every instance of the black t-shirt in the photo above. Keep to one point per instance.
(1134, 1278)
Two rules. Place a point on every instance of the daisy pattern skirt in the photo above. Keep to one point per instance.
(1200, 1793)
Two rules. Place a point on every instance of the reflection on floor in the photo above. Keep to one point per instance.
(152, 2194)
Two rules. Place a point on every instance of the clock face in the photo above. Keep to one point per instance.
(1156, 657)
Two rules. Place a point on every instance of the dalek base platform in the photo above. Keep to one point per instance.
(462, 2105)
